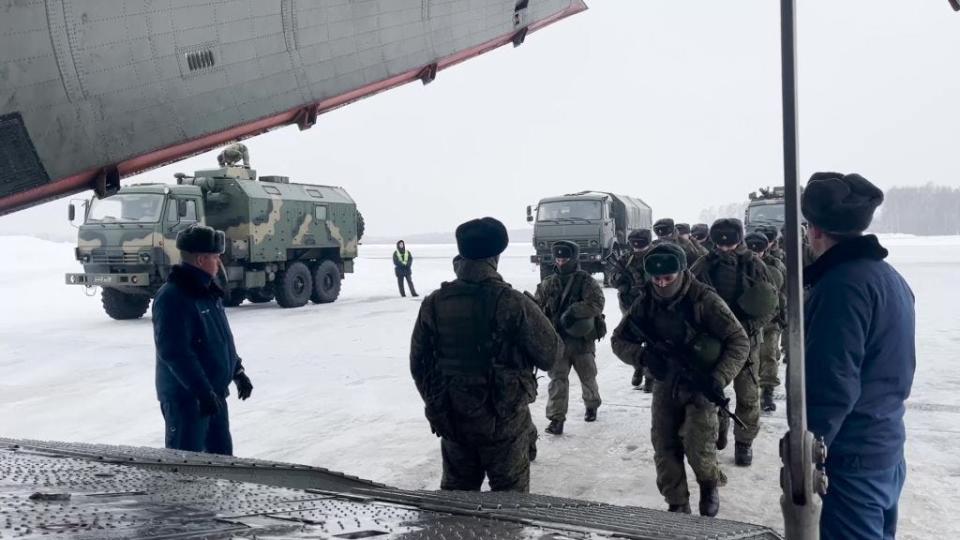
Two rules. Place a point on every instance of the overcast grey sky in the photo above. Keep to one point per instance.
(674, 102)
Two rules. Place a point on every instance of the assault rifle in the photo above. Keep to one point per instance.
(674, 360)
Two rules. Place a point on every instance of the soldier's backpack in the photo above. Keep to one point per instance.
(589, 328)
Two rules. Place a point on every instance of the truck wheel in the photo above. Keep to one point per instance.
(260, 296)
(294, 286)
(234, 297)
(545, 272)
(122, 306)
(326, 283)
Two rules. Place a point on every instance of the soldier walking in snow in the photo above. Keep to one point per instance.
(742, 280)
(573, 301)
(693, 344)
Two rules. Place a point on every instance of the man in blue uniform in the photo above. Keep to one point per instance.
(861, 357)
(196, 356)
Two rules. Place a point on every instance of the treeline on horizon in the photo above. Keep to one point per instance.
(928, 210)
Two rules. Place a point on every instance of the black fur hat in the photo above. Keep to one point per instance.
(664, 227)
(757, 242)
(664, 259)
(840, 203)
(700, 231)
(201, 239)
(481, 238)
(565, 249)
(726, 232)
(643, 237)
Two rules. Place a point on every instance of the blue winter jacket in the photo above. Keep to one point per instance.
(195, 350)
(860, 354)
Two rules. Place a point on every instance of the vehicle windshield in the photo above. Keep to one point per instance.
(127, 208)
(767, 212)
(569, 211)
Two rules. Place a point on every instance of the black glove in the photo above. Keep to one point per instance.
(244, 386)
(209, 404)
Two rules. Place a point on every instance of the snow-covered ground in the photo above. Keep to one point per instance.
(332, 385)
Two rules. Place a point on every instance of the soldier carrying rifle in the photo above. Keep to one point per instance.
(691, 342)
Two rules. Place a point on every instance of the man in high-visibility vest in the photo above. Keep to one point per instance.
(403, 267)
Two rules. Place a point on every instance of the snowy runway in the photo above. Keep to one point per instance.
(332, 385)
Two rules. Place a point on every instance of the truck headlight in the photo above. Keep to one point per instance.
(145, 257)
(542, 245)
(85, 258)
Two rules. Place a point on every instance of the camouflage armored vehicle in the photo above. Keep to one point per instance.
(292, 242)
(596, 221)
(766, 207)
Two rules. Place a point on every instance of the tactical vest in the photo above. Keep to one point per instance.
(481, 377)
(466, 323)
(681, 328)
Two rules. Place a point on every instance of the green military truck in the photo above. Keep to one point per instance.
(598, 222)
(766, 207)
(284, 241)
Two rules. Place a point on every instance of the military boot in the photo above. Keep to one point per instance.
(637, 379)
(709, 499)
(555, 427)
(590, 415)
(680, 508)
(766, 400)
(743, 454)
(648, 385)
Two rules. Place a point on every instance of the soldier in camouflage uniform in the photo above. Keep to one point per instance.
(473, 353)
(673, 314)
(685, 232)
(742, 280)
(573, 301)
(773, 240)
(666, 231)
(700, 233)
(629, 281)
(770, 348)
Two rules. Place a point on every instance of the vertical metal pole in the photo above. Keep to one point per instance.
(799, 478)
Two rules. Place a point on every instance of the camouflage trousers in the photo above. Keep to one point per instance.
(747, 387)
(770, 357)
(685, 426)
(505, 463)
(559, 390)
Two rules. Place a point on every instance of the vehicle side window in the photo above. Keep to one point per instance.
(191, 211)
(173, 213)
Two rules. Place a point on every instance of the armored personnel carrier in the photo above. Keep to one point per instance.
(286, 241)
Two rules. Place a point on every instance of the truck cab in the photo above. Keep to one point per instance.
(597, 222)
(127, 242)
(766, 207)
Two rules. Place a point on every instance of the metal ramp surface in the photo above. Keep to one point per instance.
(79, 491)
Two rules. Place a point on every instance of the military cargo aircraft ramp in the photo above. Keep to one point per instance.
(82, 491)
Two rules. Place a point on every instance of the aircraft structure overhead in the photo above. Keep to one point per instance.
(95, 90)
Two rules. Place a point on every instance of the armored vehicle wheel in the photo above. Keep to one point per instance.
(234, 298)
(260, 296)
(122, 306)
(326, 283)
(294, 286)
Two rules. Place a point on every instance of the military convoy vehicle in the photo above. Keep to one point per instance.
(598, 222)
(292, 242)
(766, 207)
